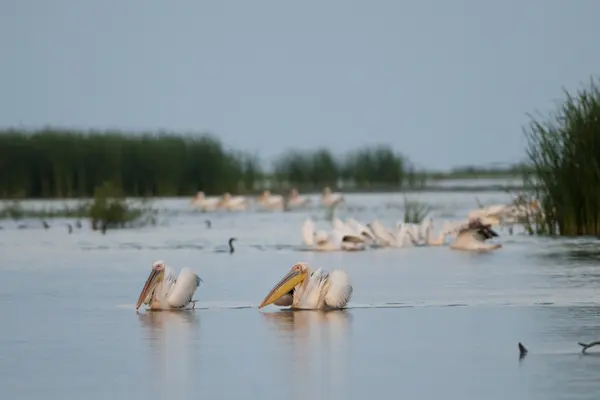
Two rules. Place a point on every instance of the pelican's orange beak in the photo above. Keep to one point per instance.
(153, 279)
(290, 281)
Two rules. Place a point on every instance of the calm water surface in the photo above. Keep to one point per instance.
(426, 323)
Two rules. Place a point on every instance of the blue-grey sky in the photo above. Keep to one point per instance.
(445, 82)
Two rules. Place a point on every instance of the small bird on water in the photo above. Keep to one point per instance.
(231, 248)
(208, 223)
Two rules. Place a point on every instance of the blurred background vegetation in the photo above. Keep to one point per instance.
(60, 163)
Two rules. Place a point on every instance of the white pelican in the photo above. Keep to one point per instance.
(270, 201)
(318, 290)
(294, 199)
(232, 203)
(205, 203)
(330, 199)
(337, 239)
(402, 236)
(472, 236)
(162, 291)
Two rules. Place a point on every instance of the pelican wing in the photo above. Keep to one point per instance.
(340, 289)
(382, 234)
(308, 232)
(184, 288)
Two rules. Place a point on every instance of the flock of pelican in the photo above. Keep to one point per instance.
(354, 236)
(266, 201)
(301, 289)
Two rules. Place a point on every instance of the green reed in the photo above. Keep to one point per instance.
(56, 163)
(415, 211)
(564, 150)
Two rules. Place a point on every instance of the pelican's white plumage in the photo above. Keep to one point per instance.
(162, 291)
(294, 199)
(331, 199)
(233, 203)
(205, 203)
(304, 289)
(270, 201)
(338, 239)
(472, 237)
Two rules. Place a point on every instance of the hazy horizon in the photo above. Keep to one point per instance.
(445, 83)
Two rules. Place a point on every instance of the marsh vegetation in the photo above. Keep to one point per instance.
(564, 150)
(55, 163)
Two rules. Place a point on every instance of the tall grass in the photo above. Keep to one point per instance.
(58, 163)
(53, 163)
(564, 150)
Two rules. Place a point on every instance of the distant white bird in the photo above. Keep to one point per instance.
(205, 203)
(472, 237)
(233, 203)
(270, 201)
(401, 236)
(338, 239)
(303, 289)
(294, 200)
(331, 199)
(162, 291)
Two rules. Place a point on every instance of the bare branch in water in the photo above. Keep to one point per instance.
(587, 346)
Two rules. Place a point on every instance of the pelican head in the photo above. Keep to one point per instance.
(155, 277)
(298, 274)
(224, 199)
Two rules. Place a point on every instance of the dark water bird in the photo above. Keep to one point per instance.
(208, 223)
(522, 351)
(103, 228)
(46, 225)
(78, 224)
(70, 228)
(231, 249)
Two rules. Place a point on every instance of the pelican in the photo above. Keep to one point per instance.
(162, 291)
(205, 203)
(306, 290)
(330, 199)
(232, 203)
(472, 235)
(270, 201)
(337, 239)
(294, 199)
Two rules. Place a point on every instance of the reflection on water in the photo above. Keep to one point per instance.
(171, 339)
(317, 351)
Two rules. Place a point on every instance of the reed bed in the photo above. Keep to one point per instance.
(53, 163)
(59, 163)
(564, 150)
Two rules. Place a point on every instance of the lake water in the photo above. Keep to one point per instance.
(423, 323)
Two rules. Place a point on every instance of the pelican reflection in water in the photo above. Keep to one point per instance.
(171, 339)
(314, 347)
